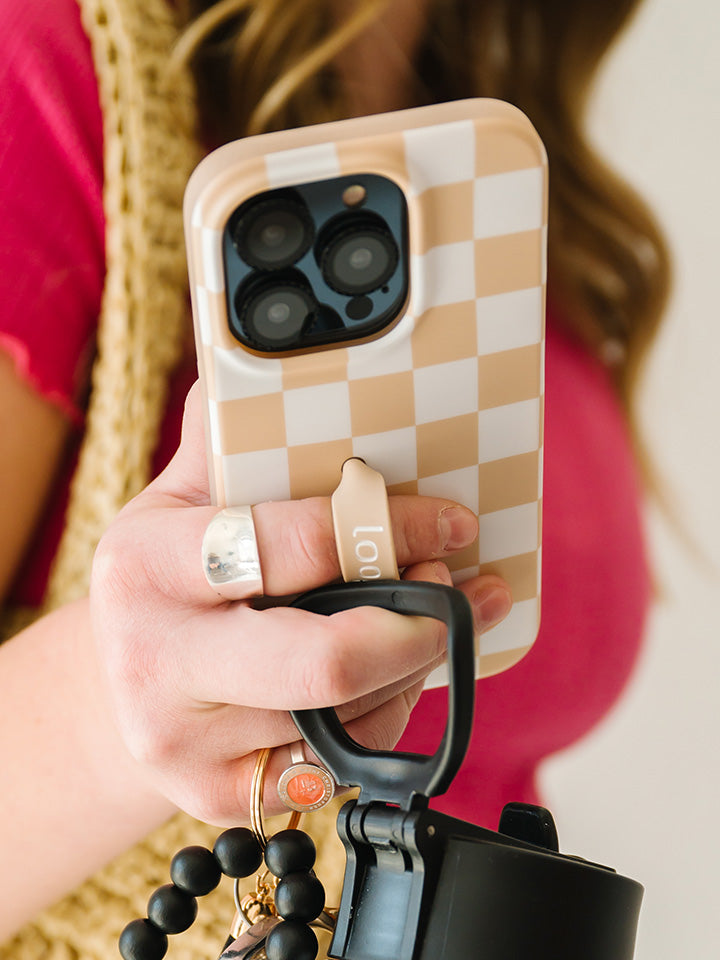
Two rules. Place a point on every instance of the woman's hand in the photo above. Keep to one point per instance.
(198, 684)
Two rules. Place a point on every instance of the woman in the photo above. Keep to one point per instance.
(266, 65)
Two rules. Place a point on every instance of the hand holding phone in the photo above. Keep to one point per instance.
(197, 685)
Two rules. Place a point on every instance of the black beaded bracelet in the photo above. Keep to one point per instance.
(295, 895)
(299, 897)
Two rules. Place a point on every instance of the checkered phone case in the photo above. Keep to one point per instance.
(446, 402)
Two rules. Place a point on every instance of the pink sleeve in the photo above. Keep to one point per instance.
(52, 228)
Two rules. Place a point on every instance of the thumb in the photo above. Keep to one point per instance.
(186, 476)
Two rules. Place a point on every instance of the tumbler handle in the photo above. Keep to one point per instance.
(407, 779)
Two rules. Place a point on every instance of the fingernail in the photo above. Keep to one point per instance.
(490, 606)
(458, 527)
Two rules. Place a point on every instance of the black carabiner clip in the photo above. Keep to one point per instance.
(406, 779)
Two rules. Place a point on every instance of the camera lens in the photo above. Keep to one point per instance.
(275, 315)
(273, 233)
(359, 255)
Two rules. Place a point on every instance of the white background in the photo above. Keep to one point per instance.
(642, 793)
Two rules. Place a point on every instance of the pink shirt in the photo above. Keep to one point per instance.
(595, 578)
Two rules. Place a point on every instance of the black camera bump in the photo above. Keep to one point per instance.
(319, 263)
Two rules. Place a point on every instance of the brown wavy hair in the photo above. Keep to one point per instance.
(265, 65)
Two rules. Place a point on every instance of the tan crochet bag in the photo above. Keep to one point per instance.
(149, 150)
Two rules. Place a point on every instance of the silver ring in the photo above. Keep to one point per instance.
(230, 555)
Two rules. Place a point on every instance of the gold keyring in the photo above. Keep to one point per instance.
(256, 799)
(258, 828)
(256, 792)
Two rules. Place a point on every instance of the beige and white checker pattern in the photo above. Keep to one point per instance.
(449, 401)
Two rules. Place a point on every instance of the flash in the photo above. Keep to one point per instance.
(354, 195)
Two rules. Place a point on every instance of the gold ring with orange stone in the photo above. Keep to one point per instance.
(304, 786)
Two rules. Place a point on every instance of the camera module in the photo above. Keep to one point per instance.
(316, 263)
(273, 232)
(358, 254)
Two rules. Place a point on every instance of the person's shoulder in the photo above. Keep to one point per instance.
(36, 17)
(47, 30)
(51, 179)
(48, 87)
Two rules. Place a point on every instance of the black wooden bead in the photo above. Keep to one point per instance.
(171, 909)
(291, 940)
(289, 851)
(141, 940)
(238, 852)
(300, 896)
(195, 870)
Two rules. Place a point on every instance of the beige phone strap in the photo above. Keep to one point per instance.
(361, 518)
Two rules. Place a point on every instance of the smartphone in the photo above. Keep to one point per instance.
(375, 288)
